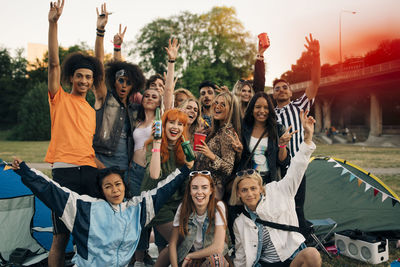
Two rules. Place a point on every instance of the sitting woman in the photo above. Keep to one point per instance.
(199, 225)
(257, 242)
(106, 231)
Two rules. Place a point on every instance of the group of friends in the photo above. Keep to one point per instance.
(114, 181)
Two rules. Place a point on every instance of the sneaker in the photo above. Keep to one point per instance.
(148, 260)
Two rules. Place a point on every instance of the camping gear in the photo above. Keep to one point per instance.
(26, 227)
(351, 196)
(362, 246)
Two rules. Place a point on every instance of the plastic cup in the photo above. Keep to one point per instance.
(197, 139)
(263, 40)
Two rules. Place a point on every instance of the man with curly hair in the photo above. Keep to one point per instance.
(73, 124)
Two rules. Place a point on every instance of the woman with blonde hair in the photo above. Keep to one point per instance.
(198, 236)
(191, 107)
(217, 152)
(180, 95)
(266, 231)
(243, 92)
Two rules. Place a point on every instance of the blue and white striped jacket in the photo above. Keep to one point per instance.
(104, 234)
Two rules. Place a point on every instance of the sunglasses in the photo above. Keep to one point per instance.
(122, 80)
(245, 172)
(194, 173)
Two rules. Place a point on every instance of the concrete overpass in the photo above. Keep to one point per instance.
(365, 100)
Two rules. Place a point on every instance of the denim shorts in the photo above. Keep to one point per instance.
(135, 178)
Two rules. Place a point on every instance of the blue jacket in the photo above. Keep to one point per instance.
(104, 234)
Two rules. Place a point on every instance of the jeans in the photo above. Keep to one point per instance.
(135, 178)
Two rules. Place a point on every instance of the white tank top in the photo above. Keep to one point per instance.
(141, 135)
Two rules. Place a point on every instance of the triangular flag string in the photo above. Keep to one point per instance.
(360, 181)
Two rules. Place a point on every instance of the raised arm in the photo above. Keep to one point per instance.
(102, 19)
(172, 51)
(118, 40)
(313, 48)
(54, 70)
(259, 69)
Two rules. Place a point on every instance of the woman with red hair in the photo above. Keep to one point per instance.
(163, 157)
(198, 237)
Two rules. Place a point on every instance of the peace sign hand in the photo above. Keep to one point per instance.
(286, 136)
(312, 46)
(236, 144)
(119, 37)
(102, 18)
(56, 9)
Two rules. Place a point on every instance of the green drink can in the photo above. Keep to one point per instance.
(187, 149)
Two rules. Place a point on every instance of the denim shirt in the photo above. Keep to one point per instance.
(208, 238)
(253, 217)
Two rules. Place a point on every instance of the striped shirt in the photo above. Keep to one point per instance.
(268, 252)
(289, 115)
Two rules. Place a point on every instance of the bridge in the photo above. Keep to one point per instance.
(364, 99)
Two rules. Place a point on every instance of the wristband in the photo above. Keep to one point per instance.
(100, 34)
(117, 46)
(117, 49)
(100, 31)
(259, 57)
(282, 146)
(188, 259)
(156, 150)
(171, 60)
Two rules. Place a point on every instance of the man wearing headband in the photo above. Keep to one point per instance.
(73, 123)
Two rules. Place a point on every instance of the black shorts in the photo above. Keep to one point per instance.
(82, 180)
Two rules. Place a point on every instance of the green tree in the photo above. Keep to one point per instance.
(213, 46)
(33, 115)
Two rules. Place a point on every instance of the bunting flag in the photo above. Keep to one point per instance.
(360, 181)
(367, 186)
(7, 167)
(375, 192)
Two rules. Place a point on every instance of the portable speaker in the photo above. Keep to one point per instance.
(362, 247)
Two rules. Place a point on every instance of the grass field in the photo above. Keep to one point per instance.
(365, 157)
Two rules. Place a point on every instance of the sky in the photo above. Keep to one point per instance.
(287, 22)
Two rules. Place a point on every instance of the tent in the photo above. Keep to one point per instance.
(25, 221)
(351, 196)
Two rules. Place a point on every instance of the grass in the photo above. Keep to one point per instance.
(365, 157)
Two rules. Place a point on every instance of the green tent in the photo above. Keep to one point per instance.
(351, 196)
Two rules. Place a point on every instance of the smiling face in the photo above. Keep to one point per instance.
(220, 109)
(151, 99)
(173, 130)
(282, 92)
(200, 191)
(249, 191)
(207, 95)
(192, 110)
(245, 94)
(260, 111)
(82, 81)
(113, 188)
(123, 87)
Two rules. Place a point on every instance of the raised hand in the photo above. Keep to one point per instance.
(236, 144)
(308, 125)
(56, 9)
(172, 49)
(15, 163)
(102, 17)
(221, 89)
(119, 37)
(312, 45)
(286, 136)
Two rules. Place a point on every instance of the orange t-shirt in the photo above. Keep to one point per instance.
(73, 124)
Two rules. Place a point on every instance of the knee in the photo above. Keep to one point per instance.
(312, 258)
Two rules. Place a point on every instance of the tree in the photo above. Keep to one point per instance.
(213, 46)
(33, 116)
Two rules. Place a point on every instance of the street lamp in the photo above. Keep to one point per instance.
(340, 30)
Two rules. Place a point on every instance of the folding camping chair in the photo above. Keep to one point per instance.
(317, 224)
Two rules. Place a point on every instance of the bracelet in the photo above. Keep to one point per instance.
(117, 46)
(188, 259)
(117, 49)
(282, 146)
(156, 150)
(171, 60)
(100, 31)
(100, 34)
(259, 57)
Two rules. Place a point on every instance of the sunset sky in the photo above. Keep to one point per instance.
(287, 22)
